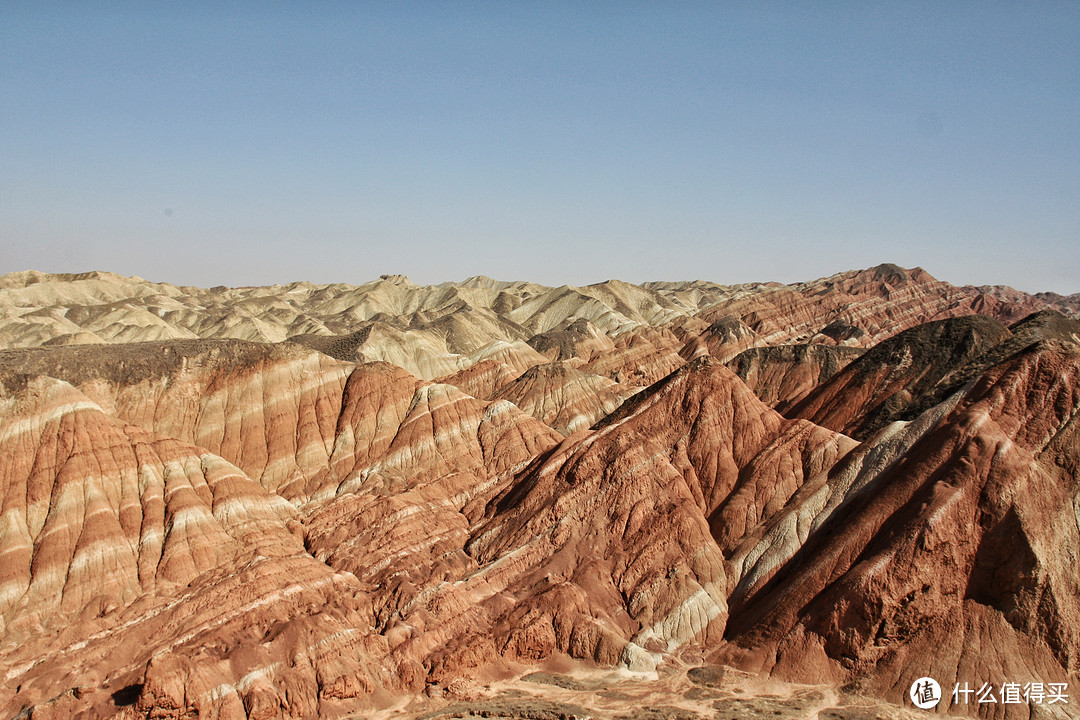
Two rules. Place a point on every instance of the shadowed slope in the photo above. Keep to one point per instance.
(613, 555)
(918, 368)
(561, 397)
(783, 375)
(891, 378)
(956, 561)
(125, 551)
(230, 529)
(858, 308)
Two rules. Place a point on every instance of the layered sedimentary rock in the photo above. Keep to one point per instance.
(272, 508)
(561, 397)
(1066, 304)
(856, 308)
(605, 549)
(953, 558)
(782, 375)
(725, 338)
(91, 549)
(920, 367)
(269, 409)
(125, 551)
(891, 378)
(483, 379)
(101, 511)
(639, 357)
(434, 331)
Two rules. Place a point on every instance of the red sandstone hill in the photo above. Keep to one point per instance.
(221, 522)
(956, 560)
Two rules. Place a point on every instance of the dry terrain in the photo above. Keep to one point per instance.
(506, 500)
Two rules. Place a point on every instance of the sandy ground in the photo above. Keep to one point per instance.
(673, 693)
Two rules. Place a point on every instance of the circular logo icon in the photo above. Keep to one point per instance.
(925, 693)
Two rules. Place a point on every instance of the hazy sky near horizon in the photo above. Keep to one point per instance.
(245, 143)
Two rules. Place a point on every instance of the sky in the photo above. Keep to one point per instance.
(244, 143)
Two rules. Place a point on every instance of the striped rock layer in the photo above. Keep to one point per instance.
(857, 481)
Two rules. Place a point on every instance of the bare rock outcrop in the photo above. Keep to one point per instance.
(902, 375)
(953, 561)
(269, 409)
(561, 397)
(782, 375)
(257, 502)
(614, 537)
(725, 338)
(126, 551)
(860, 308)
(483, 379)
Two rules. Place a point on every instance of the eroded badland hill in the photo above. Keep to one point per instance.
(500, 499)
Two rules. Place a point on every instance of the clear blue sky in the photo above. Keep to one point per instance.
(251, 143)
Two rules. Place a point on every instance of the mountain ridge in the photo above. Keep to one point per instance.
(429, 489)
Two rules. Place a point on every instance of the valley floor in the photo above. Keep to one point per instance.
(673, 693)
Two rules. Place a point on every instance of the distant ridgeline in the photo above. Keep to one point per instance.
(324, 500)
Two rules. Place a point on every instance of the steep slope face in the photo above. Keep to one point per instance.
(125, 550)
(397, 430)
(270, 410)
(640, 357)
(98, 510)
(1044, 325)
(633, 358)
(561, 397)
(579, 339)
(918, 368)
(699, 294)
(859, 308)
(955, 561)
(260, 530)
(608, 544)
(166, 540)
(783, 375)
(906, 373)
(723, 339)
(483, 379)
(410, 456)
(611, 306)
(429, 349)
(298, 422)
(419, 353)
(1066, 304)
